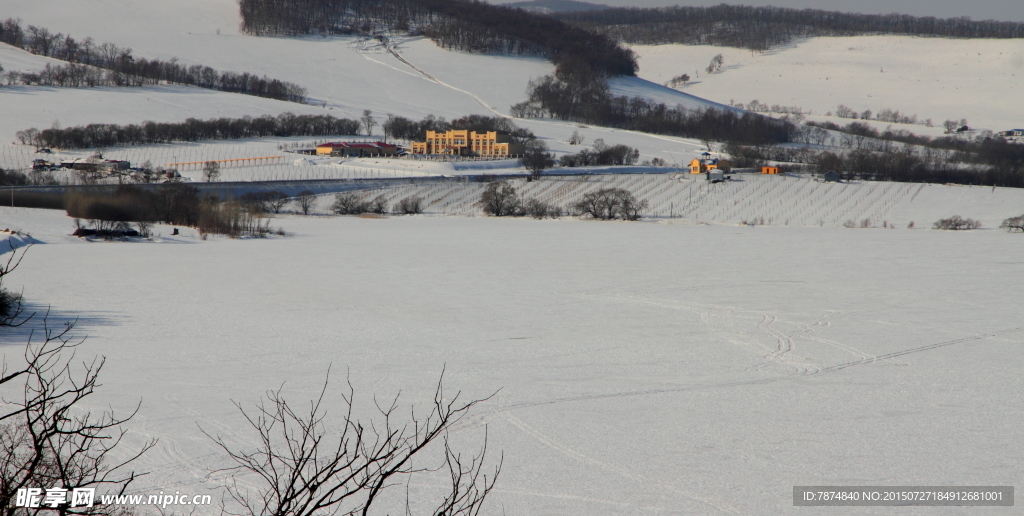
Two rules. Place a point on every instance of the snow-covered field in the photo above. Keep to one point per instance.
(641, 368)
(685, 364)
(749, 199)
(941, 79)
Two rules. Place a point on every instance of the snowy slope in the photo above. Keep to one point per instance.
(643, 368)
(976, 79)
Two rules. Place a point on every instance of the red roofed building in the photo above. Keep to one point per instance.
(358, 150)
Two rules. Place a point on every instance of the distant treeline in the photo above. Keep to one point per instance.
(121, 68)
(760, 28)
(111, 135)
(466, 25)
(579, 95)
(285, 124)
(991, 159)
(898, 155)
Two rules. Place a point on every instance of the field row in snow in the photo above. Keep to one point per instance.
(751, 198)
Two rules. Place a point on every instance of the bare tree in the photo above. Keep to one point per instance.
(611, 203)
(537, 158)
(303, 468)
(348, 203)
(956, 222)
(306, 200)
(368, 121)
(379, 205)
(47, 438)
(576, 138)
(11, 309)
(1013, 224)
(277, 200)
(500, 199)
(211, 171)
(410, 205)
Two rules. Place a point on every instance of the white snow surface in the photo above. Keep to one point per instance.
(941, 79)
(640, 368)
(664, 367)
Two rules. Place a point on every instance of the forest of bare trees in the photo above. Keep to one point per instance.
(95, 64)
(578, 93)
(111, 135)
(455, 24)
(761, 28)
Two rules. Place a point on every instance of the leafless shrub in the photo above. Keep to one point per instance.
(144, 228)
(611, 203)
(379, 205)
(849, 224)
(957, 223)
(539, 209)
(306, 200)
(47, 438)
(211, 171)
(231, 219)
(303, 469)
(410, 206)
(1013, 224)
(500, 199)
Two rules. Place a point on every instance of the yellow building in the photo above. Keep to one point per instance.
(700, 166)
(463, 142)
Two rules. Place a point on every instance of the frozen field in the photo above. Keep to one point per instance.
(643, 368)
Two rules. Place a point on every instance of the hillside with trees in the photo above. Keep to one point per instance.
(93, 64)
(761, 28)
(452, 24)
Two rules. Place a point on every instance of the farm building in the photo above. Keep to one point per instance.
(463, 142)
(706, 163)
(772, 170)
(830, 177)
(358, 150)
(95, 164)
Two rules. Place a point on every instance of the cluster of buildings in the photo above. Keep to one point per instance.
(455, 142)
(356, 150)
(463, 142)
(84, 164)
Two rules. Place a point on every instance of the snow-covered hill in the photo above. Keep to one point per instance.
(977, 79)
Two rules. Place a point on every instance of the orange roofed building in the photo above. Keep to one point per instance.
(463, 142)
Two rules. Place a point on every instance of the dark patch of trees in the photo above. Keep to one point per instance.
(93, 64)
(352, 203)
(578, 93)
(956, 223)
(170, 203)
(1013, 224)
(466, 25)
(601, 155)
(112, 135)
(761, 28)
(610, 204)
(986, 159)
(500, 199)
(13, 178)
(537, 158)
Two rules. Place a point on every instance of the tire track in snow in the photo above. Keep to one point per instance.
(569, 452)
(391, 48)
(740, 383)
